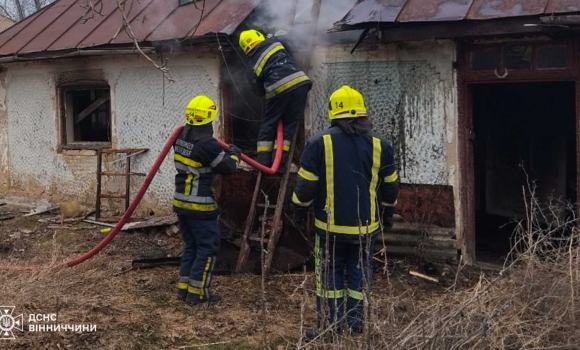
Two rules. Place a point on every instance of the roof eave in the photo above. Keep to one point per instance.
(408, 31)
(120, 49)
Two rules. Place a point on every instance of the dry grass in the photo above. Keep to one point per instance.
(532, 304)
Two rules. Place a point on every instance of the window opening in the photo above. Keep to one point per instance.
(87, 115)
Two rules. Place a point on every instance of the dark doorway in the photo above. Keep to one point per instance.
(243, 109)
(523, 133)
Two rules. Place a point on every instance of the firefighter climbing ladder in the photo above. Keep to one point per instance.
(275, 225)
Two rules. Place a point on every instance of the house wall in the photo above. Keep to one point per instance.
(4, 166)
(144, 112)
(411, 93)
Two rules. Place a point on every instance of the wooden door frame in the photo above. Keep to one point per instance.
(466, 79)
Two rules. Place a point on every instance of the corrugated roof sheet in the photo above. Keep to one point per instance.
(402, 11)
(60, 26)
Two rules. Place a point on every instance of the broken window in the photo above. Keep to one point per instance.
(86, 116)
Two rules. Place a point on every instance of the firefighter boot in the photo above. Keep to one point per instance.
(193, 300)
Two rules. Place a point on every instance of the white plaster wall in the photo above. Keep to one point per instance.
(4, 165)
(410, 93)
(146, 119)
(145, 111)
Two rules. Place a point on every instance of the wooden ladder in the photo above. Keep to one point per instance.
(275, 226)
(127, 174)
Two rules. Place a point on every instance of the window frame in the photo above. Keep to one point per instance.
(63, 143)
(518, 74)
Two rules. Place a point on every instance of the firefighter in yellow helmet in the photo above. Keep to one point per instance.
(273, 73)
(348, 174)
(197, 157)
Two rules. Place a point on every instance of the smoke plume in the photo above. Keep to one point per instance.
(273, 15)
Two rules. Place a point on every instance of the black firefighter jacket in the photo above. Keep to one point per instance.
(197, 157)
(271, 71)
(348, 178)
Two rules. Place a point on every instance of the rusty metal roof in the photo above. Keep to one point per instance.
(64, 25)
(402, 11)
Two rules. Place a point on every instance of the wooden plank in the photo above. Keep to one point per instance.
(125, 150)
(100, 223)
(40, 211)
(90, 109)
(153, 222)
(425, 277)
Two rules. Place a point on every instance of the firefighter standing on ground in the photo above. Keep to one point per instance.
(348, 174)
(197, 157)
(273, 73)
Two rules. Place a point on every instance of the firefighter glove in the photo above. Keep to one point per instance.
(299, 216)
(235, 150)
(387, 217)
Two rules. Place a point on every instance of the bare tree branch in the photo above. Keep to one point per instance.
(92, 8)
(20, 9)
(163, 67)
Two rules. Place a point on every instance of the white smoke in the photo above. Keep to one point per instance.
(273, 15)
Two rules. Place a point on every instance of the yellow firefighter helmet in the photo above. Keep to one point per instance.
(200, 111)
(249, 39)
(346, 102)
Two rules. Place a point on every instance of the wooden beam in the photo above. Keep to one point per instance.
(90, 109)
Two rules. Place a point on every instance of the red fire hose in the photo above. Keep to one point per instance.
(151, 174)
(277, 158)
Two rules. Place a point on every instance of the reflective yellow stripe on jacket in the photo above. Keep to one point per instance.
(263, 59)
(194, 206)
(347, 230)
(377, 149)
(329, 168)
(285, 84)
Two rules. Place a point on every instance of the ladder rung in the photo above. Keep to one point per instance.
(269, 206)
(113, 196)
(258, 239)
(119, 173)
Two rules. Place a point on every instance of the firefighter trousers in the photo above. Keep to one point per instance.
(338, 262)
(202, 242)
(288, 107)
